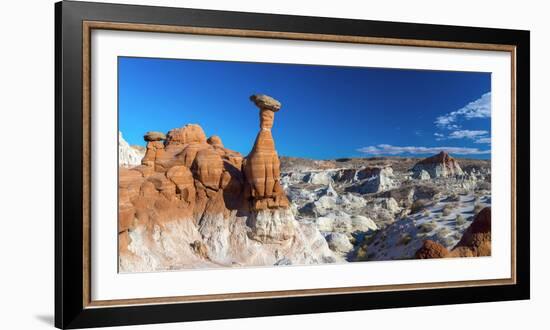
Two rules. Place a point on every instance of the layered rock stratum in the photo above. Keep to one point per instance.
(193, 203)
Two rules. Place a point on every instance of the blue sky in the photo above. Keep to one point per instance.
(328, 111)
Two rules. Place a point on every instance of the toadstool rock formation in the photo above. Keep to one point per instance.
(440, 165)
(262, 165)
(154, 146)
(194, 203)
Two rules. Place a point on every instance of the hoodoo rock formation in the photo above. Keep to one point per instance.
(154, 144)
(262, 165)
(194, 203)
(475, 242)
(440, 165)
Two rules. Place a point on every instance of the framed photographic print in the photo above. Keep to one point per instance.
(215, 164)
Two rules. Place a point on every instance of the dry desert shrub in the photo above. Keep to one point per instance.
(453, 198)
(427, 227)
(449, 208)
(362, 253)
(460, 220)
(484, 186)
(478, 207)
(419, 205)
(405, 239)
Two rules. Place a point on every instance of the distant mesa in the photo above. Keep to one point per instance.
(440, 165)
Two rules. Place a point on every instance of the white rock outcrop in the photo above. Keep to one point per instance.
(339, 243)
(320, 177)
(226, 242)
(422, 175)
(376, 179)
(128, 156)
(341, 222)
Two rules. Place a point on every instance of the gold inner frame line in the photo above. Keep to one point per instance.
(88, 26)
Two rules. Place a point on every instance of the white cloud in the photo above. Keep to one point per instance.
(480, 108)
(386, 149)
(467, 134)
(439, 136)
(483, 140)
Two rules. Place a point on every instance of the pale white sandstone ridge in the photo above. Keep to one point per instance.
(339, 243)
(274, 239)
(377, 179)
(128, 156)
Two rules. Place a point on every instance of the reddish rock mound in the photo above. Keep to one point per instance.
(430, 250)
(179, 178)
(475, 242)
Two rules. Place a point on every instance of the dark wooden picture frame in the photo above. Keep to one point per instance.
(73, 24)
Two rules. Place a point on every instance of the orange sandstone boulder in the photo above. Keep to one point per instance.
(190, 133)
(163, 185)
(215, 140)
(182, 177)
(144, 170)
(208, 167)
(430, 250)
(188, 154)
(154, 149)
